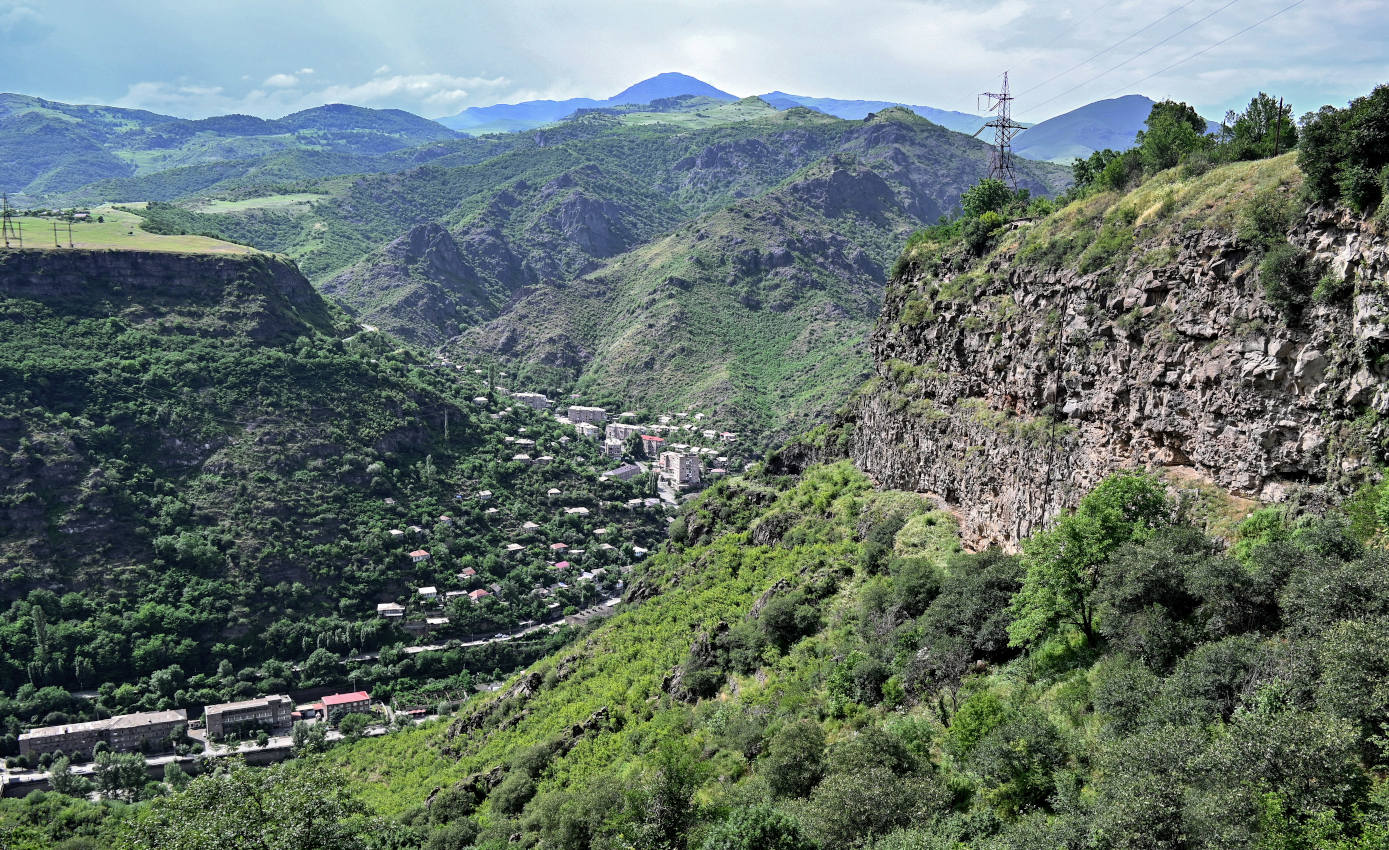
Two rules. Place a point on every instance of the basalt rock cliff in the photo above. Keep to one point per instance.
(1008, 388)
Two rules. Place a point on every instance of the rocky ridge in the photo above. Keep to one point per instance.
(1009, 390)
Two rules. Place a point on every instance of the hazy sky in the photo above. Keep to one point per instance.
(270, 57)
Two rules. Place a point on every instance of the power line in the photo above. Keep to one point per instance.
(1127, 38)
(1209, 48)
(1144, 52)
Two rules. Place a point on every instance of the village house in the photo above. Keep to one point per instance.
(436, 622)
(579, 511)
(390, 610)
(480, 401)
(584, 429)
(428, 594)
(395, 532)
(562, 565)
(484, 495)
(419, 555)
(514, 548)
(594, 415)
(478, 595)
(529, 526)
(521, 458)
(415, 529)
(558, 547)
(544, 459)
(467, 573)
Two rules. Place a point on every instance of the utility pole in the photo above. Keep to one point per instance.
(70, 245)
(56, 243)
(1005, 128)
(1278, 127)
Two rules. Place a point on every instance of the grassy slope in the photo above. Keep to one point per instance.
(621, 665)
(120, 230)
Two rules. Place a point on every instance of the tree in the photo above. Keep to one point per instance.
(1063, 562)
(988, 195)
(757, 828)
(121, 775)
(1253, 133)
(277, 807)
(308, 738)
(352, 726)
(175, 777)
(62, 780)
(1173, 130)
(262, 738)
(795, 759)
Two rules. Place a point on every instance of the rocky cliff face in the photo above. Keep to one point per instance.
(1008, 389)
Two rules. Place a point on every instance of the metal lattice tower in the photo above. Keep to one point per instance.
(1005, 128)
(11, 228)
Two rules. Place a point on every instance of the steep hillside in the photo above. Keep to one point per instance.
(813, 664)
(756, 310)
(1140, 329)
(203, 471)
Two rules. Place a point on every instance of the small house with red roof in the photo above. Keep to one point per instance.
(357, 702)
(419, 555)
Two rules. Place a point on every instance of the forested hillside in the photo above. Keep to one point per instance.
(211, 481)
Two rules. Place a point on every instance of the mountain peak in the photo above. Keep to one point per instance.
(668, 84)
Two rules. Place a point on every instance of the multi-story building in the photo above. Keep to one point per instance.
(357, 702)
(125, 732)
(587, 429)
(620, 431)
(680, 468)
(595, 415)
(535, 400)
(272, 712)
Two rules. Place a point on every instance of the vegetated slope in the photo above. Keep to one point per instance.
(759, 312)
(822, 668)
(429, 284)
(758, 309)
(54, 148)
(1175, 326)
(201, 472)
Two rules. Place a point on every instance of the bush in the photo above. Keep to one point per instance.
(1283, 278)
(757, 828)
(795, 759)
(513, 793)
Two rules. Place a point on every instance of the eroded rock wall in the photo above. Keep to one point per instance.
(1009, 397)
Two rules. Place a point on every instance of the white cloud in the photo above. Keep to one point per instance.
(424, 93)
(384, 69)
(304, 72)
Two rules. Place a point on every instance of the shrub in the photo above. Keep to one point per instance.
(757, 828)
(1283, 278)
(795, 759)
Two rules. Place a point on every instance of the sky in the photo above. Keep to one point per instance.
(435, 57)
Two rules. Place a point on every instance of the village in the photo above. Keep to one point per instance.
(532, 585)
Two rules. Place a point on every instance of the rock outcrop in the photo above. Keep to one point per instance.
(1008, 390)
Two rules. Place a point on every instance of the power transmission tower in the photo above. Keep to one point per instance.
(11, 228)
(1005, 128)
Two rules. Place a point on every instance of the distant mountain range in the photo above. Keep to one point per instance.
(510, 117)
